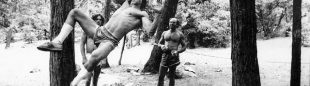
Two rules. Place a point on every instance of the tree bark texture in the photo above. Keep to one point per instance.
(62, 64)
(296, 44)
(167, 12)
(245, 70)
(107, 11)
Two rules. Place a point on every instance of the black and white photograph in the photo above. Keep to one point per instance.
(154, 42)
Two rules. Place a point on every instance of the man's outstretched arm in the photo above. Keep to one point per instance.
(146, 23)
(125, 4)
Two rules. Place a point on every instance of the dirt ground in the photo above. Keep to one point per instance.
(24, 65)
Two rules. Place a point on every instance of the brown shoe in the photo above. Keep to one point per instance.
(50, 46)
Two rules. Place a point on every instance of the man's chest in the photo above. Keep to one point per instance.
(171, 37)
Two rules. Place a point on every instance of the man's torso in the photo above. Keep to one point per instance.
(172, 39)
(122, 22)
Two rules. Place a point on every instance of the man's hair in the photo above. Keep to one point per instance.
(119, 1)
(95, 17)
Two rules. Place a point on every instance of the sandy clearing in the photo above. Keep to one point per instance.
(274, 57)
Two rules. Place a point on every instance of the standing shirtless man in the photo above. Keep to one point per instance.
(169, 43)
(128, 17)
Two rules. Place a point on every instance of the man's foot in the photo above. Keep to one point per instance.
(50, 46)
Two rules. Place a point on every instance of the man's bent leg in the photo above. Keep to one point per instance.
(162, 73)
(64, 32)
(100, 53)
(88, 25)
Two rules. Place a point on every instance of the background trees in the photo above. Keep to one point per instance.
(212, 20)
(30, 18)
(273, 17)
(27, 18)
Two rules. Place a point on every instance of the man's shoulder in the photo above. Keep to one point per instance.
(165, 31)
(180, 32)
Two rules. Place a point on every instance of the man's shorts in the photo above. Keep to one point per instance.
(102, 34)
(168, 60)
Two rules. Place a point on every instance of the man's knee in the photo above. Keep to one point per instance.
(96, 57)
(74, 12)
(91, 64)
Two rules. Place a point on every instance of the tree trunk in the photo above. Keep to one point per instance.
(8, 38)
(62, 64)
(107, 11)
(167, 12)
(296, 44)
(245, 70)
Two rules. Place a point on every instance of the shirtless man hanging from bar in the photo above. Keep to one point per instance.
(128, 17)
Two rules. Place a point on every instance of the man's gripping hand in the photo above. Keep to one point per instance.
(163, 47)
(144, 14)
(174, 53)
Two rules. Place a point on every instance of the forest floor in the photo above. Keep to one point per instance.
(24, 65)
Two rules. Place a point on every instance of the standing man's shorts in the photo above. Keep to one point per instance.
(168, 60)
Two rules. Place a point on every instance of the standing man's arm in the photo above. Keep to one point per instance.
(183, 44)
(82, 47)
(161, 42)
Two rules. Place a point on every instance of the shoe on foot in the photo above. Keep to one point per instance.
(50, 46)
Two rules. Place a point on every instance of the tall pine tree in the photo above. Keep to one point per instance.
(62, 64)
(296, 44)
(245, 70)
